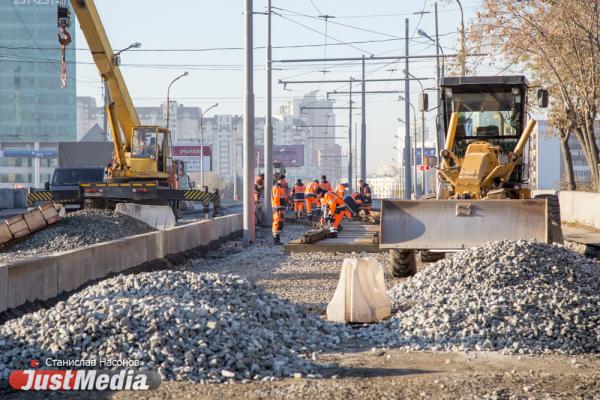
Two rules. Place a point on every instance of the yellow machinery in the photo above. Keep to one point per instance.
(141, 153)
(483, 176)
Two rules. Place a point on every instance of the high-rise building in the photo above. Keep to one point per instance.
(35, 112)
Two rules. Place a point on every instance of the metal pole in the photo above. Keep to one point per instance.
(248, 215)
(350, 142)
(235, 132)
(407, 150)
(268, 158)
(356, 153)
(363, 129)
(202, 151)
(414, 155)
(439, 124)
(423, 186)
(463, 49)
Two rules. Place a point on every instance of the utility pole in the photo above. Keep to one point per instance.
(235, 153)
(248, 215)
(407, 158)
(363, 129)
(356, 153)
(439, 124)
(463, 49)
(268, 145)
(350, 183)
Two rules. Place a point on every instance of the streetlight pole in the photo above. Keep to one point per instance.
(168, 95)
(268, 145)
(235, 139)
(248, 214)
(422, 109)
(407, 183)
(350, 183)
(202, 143)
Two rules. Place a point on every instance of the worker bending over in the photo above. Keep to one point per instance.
(365, 196)
(340, 190)
(325, 185)
(259, 188)
(312, 203)
(278, 202)
(335, 210)
(297, 194)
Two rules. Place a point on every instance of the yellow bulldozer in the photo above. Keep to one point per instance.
(483, 194)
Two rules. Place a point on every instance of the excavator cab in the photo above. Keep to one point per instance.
(151, 150)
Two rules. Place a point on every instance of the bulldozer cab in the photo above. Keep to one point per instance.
(491, 109)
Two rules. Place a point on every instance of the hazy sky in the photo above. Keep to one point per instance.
(217, 75)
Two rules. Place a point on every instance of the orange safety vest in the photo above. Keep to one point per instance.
(333, 202)
(298, 192)
(340, 190)
(311, 189)
(278, 197)
(325, 185)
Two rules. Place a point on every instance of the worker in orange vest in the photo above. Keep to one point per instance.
(278, 202)
(340, 190)
(335, 211)
(325, 185)
(297, 194)
(310, 195)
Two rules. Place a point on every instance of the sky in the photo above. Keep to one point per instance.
(214, 31)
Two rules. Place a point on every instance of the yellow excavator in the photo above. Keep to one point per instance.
(483, 175)
(142, 169)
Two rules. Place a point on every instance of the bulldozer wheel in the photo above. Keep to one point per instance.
(403, 263)
(431, 257)
(554, 228)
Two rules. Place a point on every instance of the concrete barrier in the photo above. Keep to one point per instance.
(34, 279)
(580, 207)
(45, 277)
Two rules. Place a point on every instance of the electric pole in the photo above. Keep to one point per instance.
(407, 151)
(363, 129)
(248, 162)
(268, 145)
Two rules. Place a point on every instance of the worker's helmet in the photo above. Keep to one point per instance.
(299, 181)
(345, 184)
(323, 177)
(316, 181)
(282, 177)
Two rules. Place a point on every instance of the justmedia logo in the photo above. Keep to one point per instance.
(73, 380)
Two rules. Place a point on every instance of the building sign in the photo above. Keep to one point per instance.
(191, 156)
(288, 155)
(26, 153)
(429, 152)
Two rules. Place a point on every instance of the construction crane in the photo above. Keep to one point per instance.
(142, 169)
(484, 194)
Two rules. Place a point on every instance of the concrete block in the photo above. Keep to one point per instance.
(158, 217)
(171, 244)
(33, 279)
(204, 232)
(20, 198)
(74, 268)
(7, 199)
(580, 207)
(134, 251)
(107, 258)
(3, 287)
(155, 245)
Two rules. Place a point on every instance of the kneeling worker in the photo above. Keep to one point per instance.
(336, 211)
(278, 202)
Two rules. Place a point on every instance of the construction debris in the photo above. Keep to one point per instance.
(188, 326)
(77, 229)
(509, 296)
(27, 223)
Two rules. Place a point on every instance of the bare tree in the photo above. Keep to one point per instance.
(558, 41)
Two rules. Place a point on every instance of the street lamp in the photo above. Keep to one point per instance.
(117, 55)
(414, 149)
(202, 143)
(423, 108)
(424, 34)
(168, 95)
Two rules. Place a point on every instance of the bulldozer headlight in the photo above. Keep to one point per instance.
(448, 92)
(445, 153)
(514, 157)
(515, 91)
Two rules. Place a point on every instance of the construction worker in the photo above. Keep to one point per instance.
(335, 210)
(278, 202)
(312, 203)
(297, 194)
(340, 190)
(259, 187)
(325, 185)
(367, 198)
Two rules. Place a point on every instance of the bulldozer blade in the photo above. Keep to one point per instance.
(460, 224)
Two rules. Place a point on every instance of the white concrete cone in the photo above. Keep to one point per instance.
(361, 294)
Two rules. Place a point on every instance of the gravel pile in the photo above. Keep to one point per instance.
(77, 229)
(515, 297)
(199, 327)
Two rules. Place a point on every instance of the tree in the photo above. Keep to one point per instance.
(558, 41)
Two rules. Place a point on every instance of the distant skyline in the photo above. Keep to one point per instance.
(214, 31)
